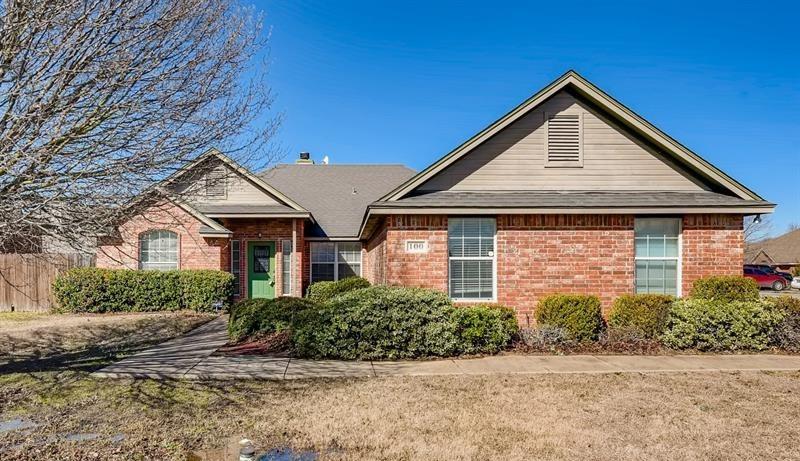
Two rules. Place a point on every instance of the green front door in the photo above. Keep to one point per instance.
(261, 269)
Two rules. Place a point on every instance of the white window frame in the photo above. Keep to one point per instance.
(335, 259)
(284, 242)
(141, 263)
(492, 258)
(678, 259)
(236, 268)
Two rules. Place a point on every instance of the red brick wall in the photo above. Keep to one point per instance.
(427, 270)
(374, 261)
(712, 245)
(539, 255)
(195, 251)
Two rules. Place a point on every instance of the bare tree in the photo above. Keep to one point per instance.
(101, 98)
(755, 231)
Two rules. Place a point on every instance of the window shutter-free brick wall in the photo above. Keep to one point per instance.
(539, 255)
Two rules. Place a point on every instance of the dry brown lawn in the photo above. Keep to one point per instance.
(561, 417)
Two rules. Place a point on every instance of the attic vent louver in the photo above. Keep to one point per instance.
(215, 183)
(564, 143)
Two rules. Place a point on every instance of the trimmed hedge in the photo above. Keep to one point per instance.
(725, 288)
(379, 322)
(787, 334)
(712, 325)
(325, 291)
(252, 316)
(644, 315)
(97, 290)
(578, 315)
(484, 328)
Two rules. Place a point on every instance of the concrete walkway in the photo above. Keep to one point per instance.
(190, 357)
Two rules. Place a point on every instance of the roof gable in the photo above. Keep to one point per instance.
(606, 157)
(685, 162)
(244, 188)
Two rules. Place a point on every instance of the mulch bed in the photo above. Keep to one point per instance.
(268, 344)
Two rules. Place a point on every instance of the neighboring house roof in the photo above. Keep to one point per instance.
(618, 111)
(782, 250)
(336, 195)
(557, 201)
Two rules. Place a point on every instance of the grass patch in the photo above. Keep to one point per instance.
(14, 317)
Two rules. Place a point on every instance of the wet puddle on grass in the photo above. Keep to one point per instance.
(16, 424)
(26, 426)
(231, 452)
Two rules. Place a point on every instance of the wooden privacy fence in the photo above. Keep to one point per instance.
(26, 279)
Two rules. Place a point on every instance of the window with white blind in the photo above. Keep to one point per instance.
(216, 183)
(335, 260)
(286, 268)
(471, 250)
(236, 259)
(564, 140)
(658, 255)
(158, 249)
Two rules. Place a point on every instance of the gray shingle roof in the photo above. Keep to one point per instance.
(568, 199)
(327, 191)
(215, 209)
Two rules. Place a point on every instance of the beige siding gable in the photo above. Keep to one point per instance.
(237, 189)
(516, 158)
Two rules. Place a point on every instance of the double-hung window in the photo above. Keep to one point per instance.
(658, 255)
(471, 249)
(335, 260)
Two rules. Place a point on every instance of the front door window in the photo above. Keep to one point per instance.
(261, 259)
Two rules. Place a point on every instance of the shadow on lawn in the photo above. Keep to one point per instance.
(85, 348)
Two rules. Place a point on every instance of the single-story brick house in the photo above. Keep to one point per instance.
(569, 192)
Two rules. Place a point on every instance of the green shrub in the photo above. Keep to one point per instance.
(378, 322)
(725, 288)
(643, 314)
(325, 291)
(254, 316)
(787, 333)
(712, 325)
(484, 328)
(202, 288)
(120, 290)
(578, 315)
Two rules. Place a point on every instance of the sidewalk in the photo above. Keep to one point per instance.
(190, 357)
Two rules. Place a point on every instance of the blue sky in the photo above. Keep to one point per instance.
(405, 82)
